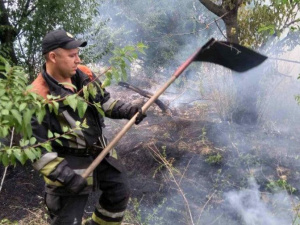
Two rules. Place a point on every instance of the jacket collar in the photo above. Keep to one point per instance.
(55, 88)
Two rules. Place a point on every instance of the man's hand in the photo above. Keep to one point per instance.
(76, 184)
(133, 110)
(65, 175)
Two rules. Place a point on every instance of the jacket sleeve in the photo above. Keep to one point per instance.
(121, 110)
(117, 109)
(49, 160)
(112, 108)
(50, 165)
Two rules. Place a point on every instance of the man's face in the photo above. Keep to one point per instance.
(66, 61)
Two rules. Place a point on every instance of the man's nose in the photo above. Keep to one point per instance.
(77, 60)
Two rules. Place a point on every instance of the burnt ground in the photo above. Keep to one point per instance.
(204, 160)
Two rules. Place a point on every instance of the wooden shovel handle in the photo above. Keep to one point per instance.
(129, 124)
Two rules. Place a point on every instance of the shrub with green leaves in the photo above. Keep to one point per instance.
(17, 106)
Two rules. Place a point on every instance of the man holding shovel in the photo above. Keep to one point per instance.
(66, 190)
(66, 167)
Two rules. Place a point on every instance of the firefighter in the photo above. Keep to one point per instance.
(66, 191)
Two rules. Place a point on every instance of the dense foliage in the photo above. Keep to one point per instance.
(23, 24)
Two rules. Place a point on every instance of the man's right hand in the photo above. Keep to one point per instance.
(66, 176)
(136, 109)
(76, 184)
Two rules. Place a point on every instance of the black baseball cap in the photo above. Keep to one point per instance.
(60, 39)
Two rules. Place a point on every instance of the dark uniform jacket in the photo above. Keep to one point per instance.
(77, 151)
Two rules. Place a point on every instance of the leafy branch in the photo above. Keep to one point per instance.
(29, 149)
(120, 61)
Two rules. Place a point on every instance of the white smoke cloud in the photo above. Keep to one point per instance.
(253, 210)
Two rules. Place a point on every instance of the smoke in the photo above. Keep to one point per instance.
(253, 210)
(252, 121)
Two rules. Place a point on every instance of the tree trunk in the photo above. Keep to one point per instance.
(231, 25)
(247, 86)
(228, 12)
(8, 35)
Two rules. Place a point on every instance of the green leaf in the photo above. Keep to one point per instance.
(47, 146)
(50, 106)
(129, 48)
(32, 140)
(50, 134)
(5, 160)
(28, 131)
(97, 84)
(5, 98)
(4, 130)
(77, 123)
(17, 116)
(8, 105)
(55, 107)
(50, 97)
(65, 129)
(59, 142)
(6, 67)
(81, 107)
(5, 112)
(29, 87)
(85, 93)
(68, 84)
(141, 45)
(106, 82)
(12, 159)
(84, 124)
(134, 55)
(30, 154)
(2, 92)
(99, 108)
(38, 153)
(71, 100)
(102, 92)
(92, 90)
(40, 115)
(269, 28)
(22, 142)
(27, 116)
(20, 155)
(22, 106)
(67, 136)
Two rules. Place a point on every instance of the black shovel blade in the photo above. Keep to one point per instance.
(230, 55)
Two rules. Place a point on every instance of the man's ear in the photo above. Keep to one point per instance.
(52, 57)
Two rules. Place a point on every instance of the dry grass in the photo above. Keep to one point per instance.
(36, 216)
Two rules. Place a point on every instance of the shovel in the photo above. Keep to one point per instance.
(229, 55)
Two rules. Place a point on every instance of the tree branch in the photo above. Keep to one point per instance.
(31, 10)
(220, 29)
(214, 8)
(5, 170)
(289, 24)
